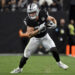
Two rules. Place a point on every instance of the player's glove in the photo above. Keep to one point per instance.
(41, 27)
(51, 25)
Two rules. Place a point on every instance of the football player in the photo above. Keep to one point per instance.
(37, 23)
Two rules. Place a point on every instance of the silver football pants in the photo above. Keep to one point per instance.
(34, 43)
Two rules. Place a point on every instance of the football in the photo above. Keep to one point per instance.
(51, 25)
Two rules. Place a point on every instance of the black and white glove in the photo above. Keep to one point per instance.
(41, 27)
(51, 25)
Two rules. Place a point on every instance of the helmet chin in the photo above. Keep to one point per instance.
(32, 18)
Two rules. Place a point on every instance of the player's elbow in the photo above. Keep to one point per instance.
(52, 19)
(20, 33)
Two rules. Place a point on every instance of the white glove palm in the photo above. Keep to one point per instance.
(51, 25)
(41, 27)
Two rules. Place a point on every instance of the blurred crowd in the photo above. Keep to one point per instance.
(65, 33)
(13, 5)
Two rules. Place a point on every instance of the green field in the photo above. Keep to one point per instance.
(37, 65)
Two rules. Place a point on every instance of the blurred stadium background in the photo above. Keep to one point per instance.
(12, 14)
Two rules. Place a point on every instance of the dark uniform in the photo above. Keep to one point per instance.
(32, 23)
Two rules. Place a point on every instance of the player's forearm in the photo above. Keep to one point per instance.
(54, 20)
(21, 34)
(34, 33)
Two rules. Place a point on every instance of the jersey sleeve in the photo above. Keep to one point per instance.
(44, 13)
(24, 25)
(24, 28)
(25, 22)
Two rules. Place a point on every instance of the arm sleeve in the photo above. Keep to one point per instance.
(24, 25)
(25, 22)
(45, 13)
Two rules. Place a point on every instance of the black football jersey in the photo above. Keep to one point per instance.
(33, 23)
